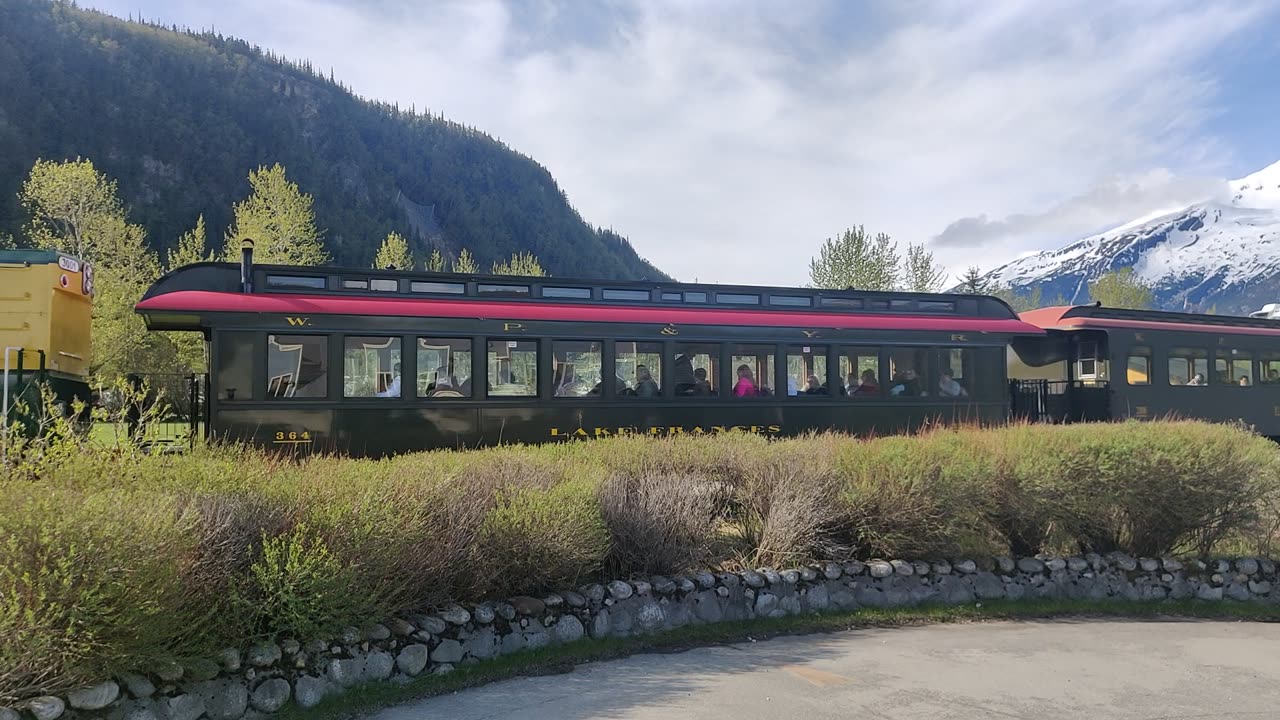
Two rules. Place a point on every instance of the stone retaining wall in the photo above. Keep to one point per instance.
(265, 677)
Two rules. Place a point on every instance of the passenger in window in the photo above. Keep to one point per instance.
(568, 386)
(393, 387)
(445, 385)
(1244, 381)
(908, 385)
(813, 387)
(702, 386)
(746, 385)
(868, 385)
(1196, 380)
(948, 386)
(645, 386)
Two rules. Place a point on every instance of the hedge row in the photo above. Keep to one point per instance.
(111, 559)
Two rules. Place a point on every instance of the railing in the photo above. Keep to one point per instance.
(172, 408)
(1060, 401)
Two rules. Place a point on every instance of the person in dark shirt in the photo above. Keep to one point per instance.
(645, 386)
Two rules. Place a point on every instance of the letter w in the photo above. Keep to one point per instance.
(297, 320)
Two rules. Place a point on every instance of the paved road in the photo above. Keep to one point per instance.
(1112, 670)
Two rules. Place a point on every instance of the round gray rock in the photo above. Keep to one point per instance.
(433, 624)
(377, 666)
(1005, 564)
(966, 567)
(484, 614)
(263, 654)
(921, 568)
(880, 568)
(620, 590)
(223, 699)
(47, 707)
(377, 632)
(1171, 564)
(97, 696)
(1055, 564)
(183, 707)
(202, 669)
(139, 686)
(941, 567)
(309, 690)
(568, 629)
(902, 567)
(752, 579)
(832, 571)
(525, 605)
(448, 651)
(705, 580)
(413, 659)
(455, 615)
(271, 695)
(9, 714)
(650, 616)
(352, 636)
(1148, 564)
(808, 574)
(1247, 566)
(575, 600)
(1030, 565)
(400, 627)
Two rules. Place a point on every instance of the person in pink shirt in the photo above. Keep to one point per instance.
(746, 386)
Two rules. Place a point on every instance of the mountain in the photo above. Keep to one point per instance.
(1221, 254)
(179, 118)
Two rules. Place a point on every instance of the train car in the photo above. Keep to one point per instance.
(370, 362)
(46, 302)
(1109, 363)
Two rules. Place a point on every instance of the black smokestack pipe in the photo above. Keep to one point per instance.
(246, 266)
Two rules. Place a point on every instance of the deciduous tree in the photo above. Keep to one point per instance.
(394, 253)
(465, 264)
(435, 263)
(920, 273)
(855, 260)
(279, 219)
(520, 264)
(1122, 289)
(191, 248)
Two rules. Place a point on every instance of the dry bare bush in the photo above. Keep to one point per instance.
(659, 522)
(788, 506)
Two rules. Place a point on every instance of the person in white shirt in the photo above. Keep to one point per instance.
(393, 387)
(948, 386)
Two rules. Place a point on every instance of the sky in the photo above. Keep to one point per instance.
(728, 138)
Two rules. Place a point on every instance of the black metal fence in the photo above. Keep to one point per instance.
(1060, 401)
(166, 408)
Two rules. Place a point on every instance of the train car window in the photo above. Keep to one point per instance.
(694, 297)
(791, 300)
(567, 292)
(486, 289)
(752, 370)
(956, 376)
(349, 284)
(1269, 369)
(936, 306)
(513, 368)
(807, 370)
(1087, 360)
(695, 369)
(878, 304)
(672, 297)
(902, 304)
(860, 373)
(444, 367)
(1233, 367)
(638, 366)
(1138, 366)
(295, 281)
(1189, 367)
(384, 285)
(234, 377)
(909, 373)
(577, 368)
(297, 366)
(371, 367)
(448, 288)
(636, 295)
(841, 302)
(737, 298)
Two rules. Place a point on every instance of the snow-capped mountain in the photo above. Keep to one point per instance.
(1223, 253)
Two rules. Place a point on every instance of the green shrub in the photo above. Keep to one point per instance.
(299, 589)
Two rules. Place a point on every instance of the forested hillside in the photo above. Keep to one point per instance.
(179, 118)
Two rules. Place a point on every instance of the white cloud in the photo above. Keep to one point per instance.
(727, 140)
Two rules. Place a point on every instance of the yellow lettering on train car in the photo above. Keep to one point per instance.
(810, 333)
(959, 338)
(292, 437)
(298, 321)
(669, 330)
(508, 326)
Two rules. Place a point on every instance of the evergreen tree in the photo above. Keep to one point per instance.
(190, 248)
(974, 283)
(394, 253)
(854, 260)
(920, 273)
(436, 262)
(520, 264)
(465, 264)
(279, 219)
(1122, 289)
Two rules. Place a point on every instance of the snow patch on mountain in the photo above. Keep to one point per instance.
(1221, 253)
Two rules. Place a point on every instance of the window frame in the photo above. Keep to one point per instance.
(1265, 357)
(398, 339)
(538, 390)
(785, 351)
(611, 378)
(860, 351)
(1185, 353)
(1148, 355)
(326, 353)
(471, 371)
(1230, 357)
(551, 369)
(715, 375)
(925, 376)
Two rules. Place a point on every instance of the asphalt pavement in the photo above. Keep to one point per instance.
(1042, 670)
